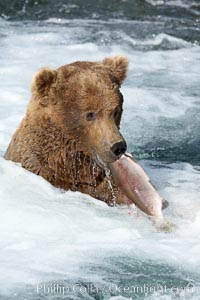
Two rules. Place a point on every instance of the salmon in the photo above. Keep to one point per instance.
(137, 187)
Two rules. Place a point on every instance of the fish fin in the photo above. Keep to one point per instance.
(131, 157)
(165, 204)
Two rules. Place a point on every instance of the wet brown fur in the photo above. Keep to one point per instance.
(55, 139)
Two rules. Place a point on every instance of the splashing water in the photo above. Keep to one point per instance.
(94, 182)
(113, 200)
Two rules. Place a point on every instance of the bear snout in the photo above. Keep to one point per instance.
(119, 148)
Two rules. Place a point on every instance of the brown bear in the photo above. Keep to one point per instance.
(71, 128)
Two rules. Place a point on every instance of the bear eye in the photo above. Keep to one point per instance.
(91, 116)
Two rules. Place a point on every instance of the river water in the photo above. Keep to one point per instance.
(65, 245)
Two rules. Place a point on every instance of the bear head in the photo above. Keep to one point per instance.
(84, 102)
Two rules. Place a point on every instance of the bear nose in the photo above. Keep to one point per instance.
(119, 148)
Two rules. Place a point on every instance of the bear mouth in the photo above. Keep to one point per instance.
(101, 163)
(104, 165)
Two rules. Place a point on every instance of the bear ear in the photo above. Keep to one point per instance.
(41, 84)
(118, 66)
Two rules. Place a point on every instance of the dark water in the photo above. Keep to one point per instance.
(174, 140)
(168, 16)
(104, 10)
(136, 277)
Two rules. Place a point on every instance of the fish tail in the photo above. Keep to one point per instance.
(164, 225)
